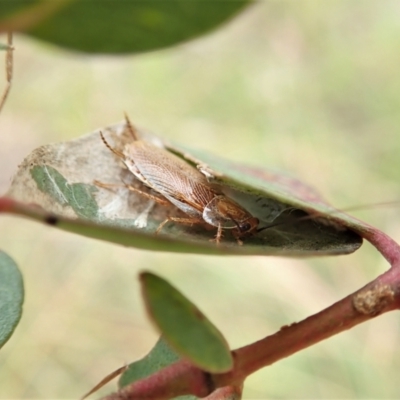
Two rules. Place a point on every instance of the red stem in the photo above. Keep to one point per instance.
(385, 245)
(379, 296)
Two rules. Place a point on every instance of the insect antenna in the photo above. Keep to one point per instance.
(131, 128)
(116, 152)
(263, 228)
(9, 69)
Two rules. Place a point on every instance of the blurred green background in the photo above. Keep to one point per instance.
(307, 86)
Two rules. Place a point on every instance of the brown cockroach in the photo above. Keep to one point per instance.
(184, 186)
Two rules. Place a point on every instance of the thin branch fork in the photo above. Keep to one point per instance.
(182, 378)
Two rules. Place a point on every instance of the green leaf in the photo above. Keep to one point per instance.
(184, 326)
(77, 196)
(11, 297)
(60, 178)
(160, 356)
(276, 185)
(116, 26)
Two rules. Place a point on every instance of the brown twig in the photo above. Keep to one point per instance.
(233, 392)
(379, 296)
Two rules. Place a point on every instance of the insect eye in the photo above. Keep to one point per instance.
(244, 227)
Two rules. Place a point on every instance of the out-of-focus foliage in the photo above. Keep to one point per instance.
(117, 26)
(11, 297)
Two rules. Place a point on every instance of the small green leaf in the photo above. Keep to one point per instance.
(184, 326)
(11, 297)
(116, 26)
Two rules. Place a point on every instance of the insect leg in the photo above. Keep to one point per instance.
(236, 235)
(219, 234)
(132, 189)
(157, 199)
(190, 221)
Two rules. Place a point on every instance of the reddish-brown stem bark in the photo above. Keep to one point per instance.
(377, 297)
(181, 378)
(380, 296)
(233, 392)
(385, 245)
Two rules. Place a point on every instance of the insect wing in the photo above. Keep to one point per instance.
(170, 176)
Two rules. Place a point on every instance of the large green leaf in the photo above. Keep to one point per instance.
(11, 297)
(60, 179)
(184, 326)
(270, 184)
(116, 26)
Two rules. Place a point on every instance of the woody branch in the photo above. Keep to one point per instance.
(378, 297)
